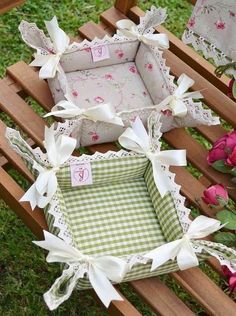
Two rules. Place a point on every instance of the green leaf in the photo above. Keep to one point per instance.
(228, 217)
(219, 165)
(228, 239)
(234, 89)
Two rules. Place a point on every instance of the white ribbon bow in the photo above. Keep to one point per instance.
(175, 102)
(99, 269)
(50, 62)
(183, 249)
(129, 29)
(102, 112)
(137, 139)
(58, 151)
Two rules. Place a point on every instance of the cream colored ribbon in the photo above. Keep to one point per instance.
(58, 151)
(175, 102)
(100, 271)
(183, 249)
(50, 63)
(136, 138)
(102, 112)
(129, 29)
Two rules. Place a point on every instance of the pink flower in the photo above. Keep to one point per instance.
(99, 99)
(233, 14)
(145, 93)
(108, 76)
(222, 148)
(231, 160)
(94, 136)
(230, 89)
(149, 66)
(132, 69)
(191, 22)
(220, 25)
(75, 93)
(119, 53)
(88, 49)
(214, 194)
(167, 112)
(231, 277)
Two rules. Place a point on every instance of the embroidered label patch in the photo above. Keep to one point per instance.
(81, 174)
(100, 53)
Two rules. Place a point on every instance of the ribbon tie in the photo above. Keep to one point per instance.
(58, 151)
(99, 270)
(175, 102)
(183, 249)
(101, 112)
(50, 62)
(137, 139)
(129, 29)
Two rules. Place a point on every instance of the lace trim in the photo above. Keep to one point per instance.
(209, 50)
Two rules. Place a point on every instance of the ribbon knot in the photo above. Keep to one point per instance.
(183, 249)
(129, 29)
(99, 270)
(137, 139)
(102, 112)
(49, 63)
(176, 101)
(58, 151)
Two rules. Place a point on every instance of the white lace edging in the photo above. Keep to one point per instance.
(209, 50)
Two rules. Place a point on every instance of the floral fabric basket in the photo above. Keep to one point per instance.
(102, 240)
(99, 86)
(212, 30)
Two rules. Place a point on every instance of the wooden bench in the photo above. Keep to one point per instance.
(6, 5)
(22, 81)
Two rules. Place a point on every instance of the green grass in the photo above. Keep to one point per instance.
(24, 274)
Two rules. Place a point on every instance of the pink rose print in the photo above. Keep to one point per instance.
(233, 14)
(75, 93)
(149, 66)
(94, 136)
(220, 25)
(191, 22)
(145, 93)
(132, 69)
(108, 76)
(119, 53)
(99, 99)
(167, 113)
(88, 49)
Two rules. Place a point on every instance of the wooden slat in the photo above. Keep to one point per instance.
(162, 300)
(124, 5)
(206, 292)
(88, 31)
(6, 5)
(29, 80)
(122, 308)
(11, 192)
(187, 54)
(11, 155)
(21, 113)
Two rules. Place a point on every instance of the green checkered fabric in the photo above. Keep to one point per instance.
(120, 214)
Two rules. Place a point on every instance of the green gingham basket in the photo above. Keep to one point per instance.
(120, 214)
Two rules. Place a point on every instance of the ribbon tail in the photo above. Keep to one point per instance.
(163, 253)
(48, 70)
(62, 288)
(159, 40)
(102, 286)
(186, 257)
(30, 196)
(104, 113)
(178, 108)
(161, 178)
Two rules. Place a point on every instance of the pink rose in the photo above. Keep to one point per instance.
(231, 160)
(191, 22)
(233, 14)
(220, 25)
(230, 89)
(119, 53)
(99, 99)
(149, 66)
(214, 194)
(94, 136)
(132, 69)
(108, 76)
(222, 148)
(75, 93)
(231, 277)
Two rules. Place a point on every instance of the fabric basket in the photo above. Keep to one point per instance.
(125, 73)
(118, 208)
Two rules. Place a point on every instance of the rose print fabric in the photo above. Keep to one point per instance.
(120, 85)
(212, 29)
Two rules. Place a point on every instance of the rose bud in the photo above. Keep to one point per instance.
(215, 195)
